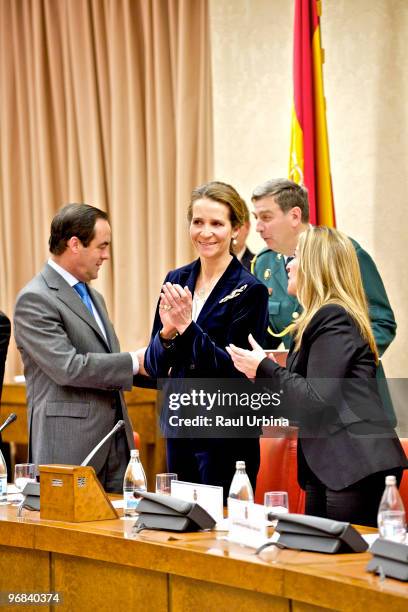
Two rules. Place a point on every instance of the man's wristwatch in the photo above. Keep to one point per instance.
(167, 342)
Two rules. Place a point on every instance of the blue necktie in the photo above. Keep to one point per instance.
(82, 290)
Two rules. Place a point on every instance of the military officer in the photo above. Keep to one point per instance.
(270, 267)
(282, 213)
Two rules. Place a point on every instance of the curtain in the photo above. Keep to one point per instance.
(106, 102)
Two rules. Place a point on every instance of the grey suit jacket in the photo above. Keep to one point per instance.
(75, 378)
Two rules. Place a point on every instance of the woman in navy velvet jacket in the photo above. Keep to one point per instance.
(346, 444)
(203, 307)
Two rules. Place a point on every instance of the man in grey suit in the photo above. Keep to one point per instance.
(75, 373)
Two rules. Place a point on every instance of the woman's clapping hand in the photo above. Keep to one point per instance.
(247, 361)
(175, 306)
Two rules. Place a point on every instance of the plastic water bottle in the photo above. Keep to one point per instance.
(241, 486)
(134, 480)
(391, 513)
(3, 480)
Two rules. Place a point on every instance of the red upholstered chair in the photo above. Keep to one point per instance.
(404, 482)
(278, 469)
(136, 439)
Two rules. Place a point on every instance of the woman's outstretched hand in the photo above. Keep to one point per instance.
(247, 361)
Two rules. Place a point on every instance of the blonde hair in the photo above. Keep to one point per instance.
(329, 273)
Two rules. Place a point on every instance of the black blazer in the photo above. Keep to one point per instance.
(329, 389)
(5, 329)
(237, 306)
(246, 259)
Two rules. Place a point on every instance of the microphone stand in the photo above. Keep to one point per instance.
(10, 419)
(93, 452)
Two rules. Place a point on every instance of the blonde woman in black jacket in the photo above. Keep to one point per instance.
(346, 444)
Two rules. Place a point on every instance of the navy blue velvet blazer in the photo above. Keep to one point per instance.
(237, 306)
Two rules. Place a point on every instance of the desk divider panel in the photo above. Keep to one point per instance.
(73, 493)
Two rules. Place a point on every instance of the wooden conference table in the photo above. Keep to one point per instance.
(103, 566)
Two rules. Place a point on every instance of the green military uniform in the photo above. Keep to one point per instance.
(269, 267)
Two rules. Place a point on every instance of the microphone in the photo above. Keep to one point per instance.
(93, 452)
(10, 419)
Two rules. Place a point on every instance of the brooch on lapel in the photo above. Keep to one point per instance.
(233, 294)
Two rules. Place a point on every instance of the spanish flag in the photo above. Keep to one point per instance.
(309, 149)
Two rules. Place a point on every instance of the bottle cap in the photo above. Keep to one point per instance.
(240, 465)
(390, 480)
(134, 452)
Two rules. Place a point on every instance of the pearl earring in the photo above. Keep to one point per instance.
(234, 241)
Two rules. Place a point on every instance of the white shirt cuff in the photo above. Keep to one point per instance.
(135, 363)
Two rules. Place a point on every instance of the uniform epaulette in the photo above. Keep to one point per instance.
(255, 258)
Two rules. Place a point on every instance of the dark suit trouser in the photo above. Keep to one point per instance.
(212, 461)
(112, 474)
(356, 504)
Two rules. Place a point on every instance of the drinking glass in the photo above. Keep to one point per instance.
(23, 473)
(163, 483)
(276, 502)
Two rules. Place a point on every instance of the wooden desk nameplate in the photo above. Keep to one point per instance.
(73, 493)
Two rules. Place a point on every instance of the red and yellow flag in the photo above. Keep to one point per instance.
(309, 149)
